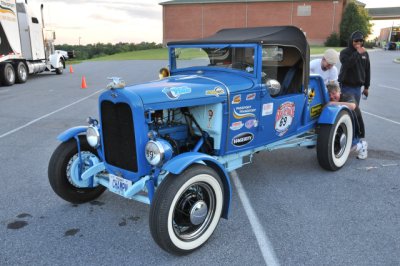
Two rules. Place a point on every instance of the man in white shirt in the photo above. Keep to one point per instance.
(325, 67)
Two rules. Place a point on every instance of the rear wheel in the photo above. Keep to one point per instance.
(334, 142)
(7, 73)
(64, 168)
(22, 73)
(186, 209)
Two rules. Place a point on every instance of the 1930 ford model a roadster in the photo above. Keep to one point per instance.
(170, 143)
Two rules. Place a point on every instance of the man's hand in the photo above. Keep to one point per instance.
(365, 92)
(360, 49)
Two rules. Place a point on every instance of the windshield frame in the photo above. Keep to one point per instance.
(175, 70)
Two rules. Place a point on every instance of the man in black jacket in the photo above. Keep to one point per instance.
(355, 71)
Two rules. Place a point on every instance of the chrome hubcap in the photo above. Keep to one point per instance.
(198, 213)
(10, 74)
(340, 141)
(194, 211)
(22, 73)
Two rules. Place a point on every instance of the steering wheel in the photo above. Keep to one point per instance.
(240, 65)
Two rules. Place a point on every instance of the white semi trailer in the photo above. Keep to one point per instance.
(25, 46)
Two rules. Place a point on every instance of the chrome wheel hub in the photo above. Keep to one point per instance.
(198, 212)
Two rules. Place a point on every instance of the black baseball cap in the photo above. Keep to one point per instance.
(357, 35)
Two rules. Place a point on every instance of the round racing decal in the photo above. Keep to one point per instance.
(284, 118)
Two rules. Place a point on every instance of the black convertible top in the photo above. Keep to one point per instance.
(275, 35)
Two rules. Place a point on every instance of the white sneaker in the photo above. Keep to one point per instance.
(363, 152)
(357, 147)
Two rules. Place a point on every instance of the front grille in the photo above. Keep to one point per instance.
(119, 135)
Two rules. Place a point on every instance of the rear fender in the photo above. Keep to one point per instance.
(330, 112)
(179, 163)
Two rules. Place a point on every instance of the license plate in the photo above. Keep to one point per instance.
(118, 184)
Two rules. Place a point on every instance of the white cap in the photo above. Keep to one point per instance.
(331, 56)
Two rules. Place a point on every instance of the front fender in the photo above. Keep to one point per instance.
(71, 132)
(55, 61)
(329, 113)
(179, 163)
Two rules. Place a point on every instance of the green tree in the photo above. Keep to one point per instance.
(89, 51)
(354, 18)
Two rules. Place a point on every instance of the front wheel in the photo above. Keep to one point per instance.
(60, 70)
(334, 142)
(186, 209)
(64, 172)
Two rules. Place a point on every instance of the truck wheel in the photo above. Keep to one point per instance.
(186, 209)
(7, 73)
(60, 70)
(63, 172)
(334, 142)
(22, 73)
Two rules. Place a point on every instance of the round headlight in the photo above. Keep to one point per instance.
(158, 151)
(93, 136)
(154, 152)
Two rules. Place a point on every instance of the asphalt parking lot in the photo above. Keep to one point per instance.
(285, 209)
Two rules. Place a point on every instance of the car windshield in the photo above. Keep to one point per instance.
(239, 58)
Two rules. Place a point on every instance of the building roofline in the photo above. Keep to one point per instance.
(180, 2)
(384, 12)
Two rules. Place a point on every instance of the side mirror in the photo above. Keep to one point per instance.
(164, 73)
(274, 87)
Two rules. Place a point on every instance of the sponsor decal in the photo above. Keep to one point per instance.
(246, 111)
(242, 139)
(237, 99)
(236, 125)
(217, 91)
(311, 95)
(251, 123)
(7, 8)
(267, 109)
(250, 96)
(175, 92)
(284, 118)
(316, 110)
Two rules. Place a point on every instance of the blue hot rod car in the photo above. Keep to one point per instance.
(171, 143)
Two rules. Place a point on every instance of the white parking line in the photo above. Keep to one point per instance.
(47, 115)
(393, 88)
(381, 117)
(263, 242)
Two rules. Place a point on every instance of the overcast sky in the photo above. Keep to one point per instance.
(123, 20)
(102, 20)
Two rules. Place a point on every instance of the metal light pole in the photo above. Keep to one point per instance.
(334, 13)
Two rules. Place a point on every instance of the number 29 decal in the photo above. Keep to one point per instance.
(284, 118)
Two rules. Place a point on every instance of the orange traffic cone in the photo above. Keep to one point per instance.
(83, 85)
(71, 70)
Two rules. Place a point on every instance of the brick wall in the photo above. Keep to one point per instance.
(189, 21)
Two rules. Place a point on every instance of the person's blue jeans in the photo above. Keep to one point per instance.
(355, 91)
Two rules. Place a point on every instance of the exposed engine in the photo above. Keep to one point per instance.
(181, 129)
(178, 130)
